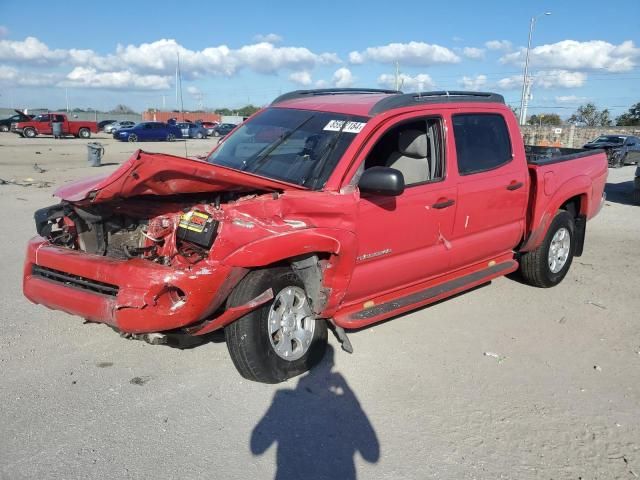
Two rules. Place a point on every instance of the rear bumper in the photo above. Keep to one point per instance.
(136, 296)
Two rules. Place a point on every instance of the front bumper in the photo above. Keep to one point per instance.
(136, 296)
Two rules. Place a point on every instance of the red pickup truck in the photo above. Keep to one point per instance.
(43, 125)
(328, 209)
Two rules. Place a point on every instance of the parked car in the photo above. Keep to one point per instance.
(148, 131)
(118, 125)
(621, 149)
(43, 125)
(104, 123)
(209, 126)
(223, 129)
(192, 130)
(357, 206)
(5, 123)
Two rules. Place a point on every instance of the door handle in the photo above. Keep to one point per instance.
(444, 203)
(515, 185)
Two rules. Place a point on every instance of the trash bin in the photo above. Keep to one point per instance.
(56, 128)
(95, 151)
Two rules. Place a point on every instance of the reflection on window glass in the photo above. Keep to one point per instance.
(482, 142)
(296, 146)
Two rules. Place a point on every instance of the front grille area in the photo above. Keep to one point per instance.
(77, 281)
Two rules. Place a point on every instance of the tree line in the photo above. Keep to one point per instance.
(589, 115)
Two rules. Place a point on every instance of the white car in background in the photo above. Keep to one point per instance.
(112, 127)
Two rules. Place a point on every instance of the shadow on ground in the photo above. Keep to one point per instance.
(619, 192)
(318, 428)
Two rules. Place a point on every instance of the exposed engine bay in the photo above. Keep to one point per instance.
(161, 230)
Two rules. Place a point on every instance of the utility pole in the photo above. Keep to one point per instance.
(526, 80)
(397, 75)
(66, 95)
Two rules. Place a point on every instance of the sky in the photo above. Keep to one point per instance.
(100, 54)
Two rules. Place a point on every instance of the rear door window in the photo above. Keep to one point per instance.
(482, 142)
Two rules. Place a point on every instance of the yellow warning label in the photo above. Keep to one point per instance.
(194, 221)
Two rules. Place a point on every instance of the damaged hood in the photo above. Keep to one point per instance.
(161, 174)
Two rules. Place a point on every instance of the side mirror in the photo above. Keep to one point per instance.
(382, 181)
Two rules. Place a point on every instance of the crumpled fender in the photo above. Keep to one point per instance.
(339, 244)
(546, 209)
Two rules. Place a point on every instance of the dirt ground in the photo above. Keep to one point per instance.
(506, 381)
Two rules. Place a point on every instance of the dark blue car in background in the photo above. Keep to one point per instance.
(156, 131)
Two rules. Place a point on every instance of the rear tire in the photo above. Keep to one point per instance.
(199, 136)
(170, 137)
(84, 133)
(4, 128)
(132, 138)
(548, 264)
(258, 354)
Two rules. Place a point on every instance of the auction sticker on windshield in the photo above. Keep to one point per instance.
(350, 127)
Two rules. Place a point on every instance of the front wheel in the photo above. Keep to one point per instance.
(132, 138)
(548, 264)
(84, 133)
(4, 128)
(29, 132)
(199, 136)
(282, 338)
(171, 137)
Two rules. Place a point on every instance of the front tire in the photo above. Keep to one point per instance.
(4, 128)
(547, 265)
(281, 339)
(132, 138)
(199, 136)
(29, 133)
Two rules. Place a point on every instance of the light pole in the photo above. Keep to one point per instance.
(525, 80)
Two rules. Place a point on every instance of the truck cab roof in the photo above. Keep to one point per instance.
(371, 102)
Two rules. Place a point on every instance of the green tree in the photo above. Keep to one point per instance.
(589, 115)
(223, 111)
(631, 118)
(122, 109)
(545, 119)
(248, 110)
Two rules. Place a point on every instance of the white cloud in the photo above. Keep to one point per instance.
(194, 91)
(7, 73)
(473, 53)
(4, 31)
(420, 82)
(546, 79)
(412, 53)
(559, 78)
(343, 78)
(322, 84)
(91, 78)
(161, 57)
(473, 83)
(269, 38)
(573, 99)
(301, 78)
(498, 45)
(30, 50)
(574, 55)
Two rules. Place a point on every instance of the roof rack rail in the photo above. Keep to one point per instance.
(442, 96)
(329, 91)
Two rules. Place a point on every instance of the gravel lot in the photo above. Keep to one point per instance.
(418, 399)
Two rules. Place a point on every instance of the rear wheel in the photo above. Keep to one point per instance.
(84, 133)
(132, 138)
(4, 128)
(29, 132)
(547, 265)
(282, 338)
(199, 135)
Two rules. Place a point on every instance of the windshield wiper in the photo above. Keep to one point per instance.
(260, 157)
(325, 155)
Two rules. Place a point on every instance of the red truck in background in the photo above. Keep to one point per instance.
(43, 124)
(331, 208)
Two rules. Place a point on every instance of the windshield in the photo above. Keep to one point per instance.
(609, 139)
(295, 146)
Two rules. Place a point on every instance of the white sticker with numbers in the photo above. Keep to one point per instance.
(350, 127)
